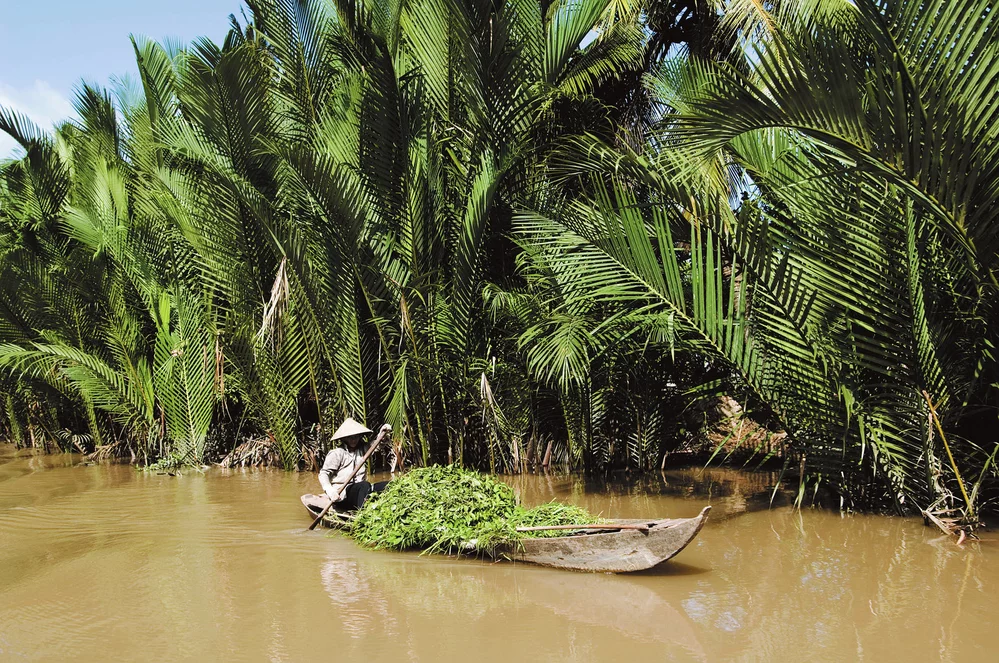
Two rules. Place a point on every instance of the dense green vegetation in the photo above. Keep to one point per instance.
(452, 510)
(526, 229)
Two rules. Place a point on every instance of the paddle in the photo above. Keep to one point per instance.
(385, 430)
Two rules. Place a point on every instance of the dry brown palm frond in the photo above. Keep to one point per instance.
(257, 451)
(112, 451)
(270, 327)
(951, 521)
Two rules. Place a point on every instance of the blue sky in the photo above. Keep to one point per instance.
(48, 46)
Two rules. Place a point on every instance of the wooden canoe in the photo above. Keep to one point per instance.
(595, 550)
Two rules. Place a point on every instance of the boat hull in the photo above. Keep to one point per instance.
(334, 519)
(607, 551)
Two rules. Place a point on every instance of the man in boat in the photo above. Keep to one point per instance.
(340, 464)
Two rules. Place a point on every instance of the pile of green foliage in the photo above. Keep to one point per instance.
(444, 509)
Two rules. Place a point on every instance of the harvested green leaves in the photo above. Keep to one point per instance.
(447, 509)
(553, 513)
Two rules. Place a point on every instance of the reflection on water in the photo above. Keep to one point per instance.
(360, 609)
(104, 562)
(730, 492)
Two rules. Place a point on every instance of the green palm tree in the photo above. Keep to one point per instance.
(95, 306)
(852, 287)
(320, 201)
(387, 147)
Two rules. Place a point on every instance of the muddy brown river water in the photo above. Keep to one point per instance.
(103, 562)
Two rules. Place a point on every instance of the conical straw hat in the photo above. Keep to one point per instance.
(350, 427)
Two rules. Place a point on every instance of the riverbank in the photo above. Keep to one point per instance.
(103, 561)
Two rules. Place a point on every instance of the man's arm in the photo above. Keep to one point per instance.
(331, 467)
